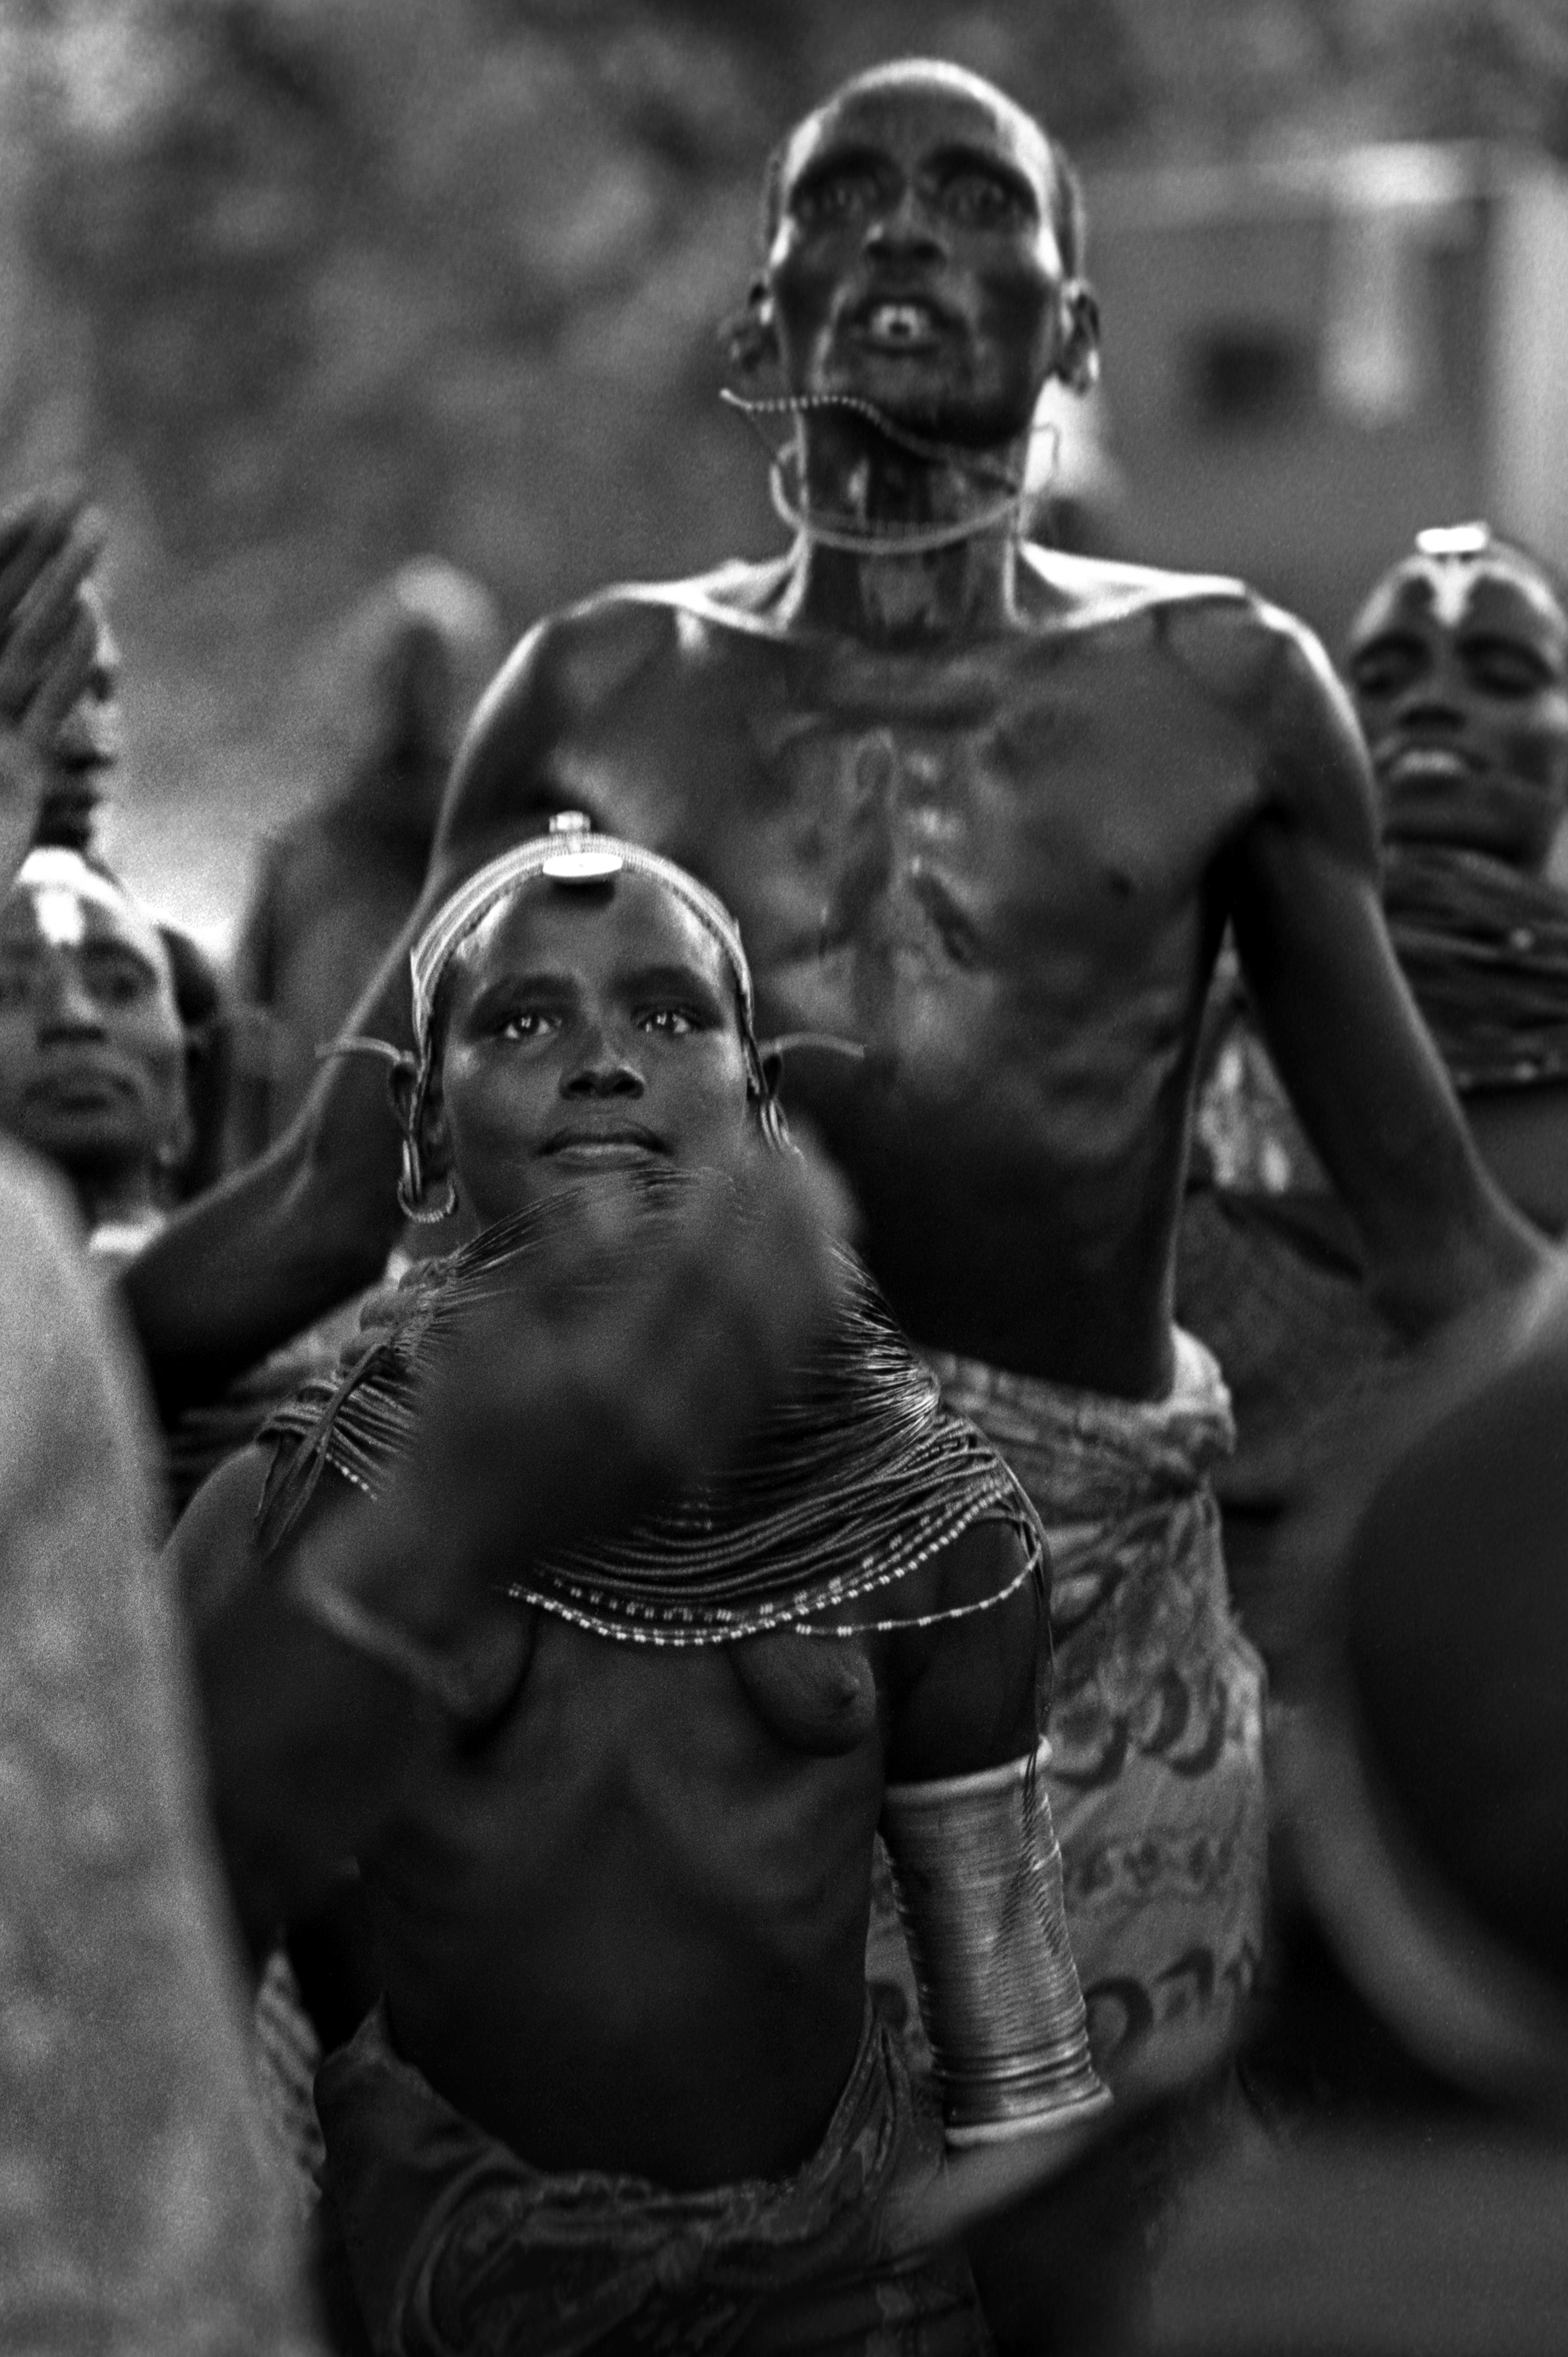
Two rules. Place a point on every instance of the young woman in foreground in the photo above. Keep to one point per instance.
(625, 2088)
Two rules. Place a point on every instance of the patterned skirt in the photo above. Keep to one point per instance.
(1156, 1776)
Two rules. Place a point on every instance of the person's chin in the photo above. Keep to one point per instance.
(78, 1143)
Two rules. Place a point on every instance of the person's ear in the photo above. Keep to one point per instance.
(1078, 360)
(435, 1135)
(751, 335)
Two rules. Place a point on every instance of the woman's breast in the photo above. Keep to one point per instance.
(705, 1785)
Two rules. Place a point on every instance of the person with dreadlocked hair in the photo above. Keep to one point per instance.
(624, 2086)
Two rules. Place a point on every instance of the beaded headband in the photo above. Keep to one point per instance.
(571, 853)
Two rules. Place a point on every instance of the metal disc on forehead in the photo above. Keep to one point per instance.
(584, 867)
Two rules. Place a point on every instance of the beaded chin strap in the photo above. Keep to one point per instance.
(886, 539)
(570, 852)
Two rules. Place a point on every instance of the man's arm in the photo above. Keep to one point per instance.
(312, 1222)
(1363, 1075)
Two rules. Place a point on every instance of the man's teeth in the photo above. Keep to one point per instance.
(1426, 761)
(900, 322)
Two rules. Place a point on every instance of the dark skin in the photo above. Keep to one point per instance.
(92, 1052)
(1459, 671)
(50, 643)
(622, 1922)
(983, 813)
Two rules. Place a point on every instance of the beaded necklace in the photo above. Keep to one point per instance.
(885, 539)
(1485, 949)
(860, 1475)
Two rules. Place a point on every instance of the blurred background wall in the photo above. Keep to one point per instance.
(303, 287)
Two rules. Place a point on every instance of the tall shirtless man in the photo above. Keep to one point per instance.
(984, 813)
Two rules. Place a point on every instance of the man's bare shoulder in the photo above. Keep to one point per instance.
(1067, 590)
(1223, 632)
(578, 659)
(1269, 673)
(1250, 655)
(1092, 581)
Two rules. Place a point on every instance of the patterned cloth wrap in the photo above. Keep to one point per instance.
(457, 2248)
(1275, 1285)
(1157, 1773)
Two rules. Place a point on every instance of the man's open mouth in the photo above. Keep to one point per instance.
(1405, 765)
(903, 324)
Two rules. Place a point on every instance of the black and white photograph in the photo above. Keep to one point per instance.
(783, 1179)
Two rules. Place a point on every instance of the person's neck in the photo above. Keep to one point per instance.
(115, 1198)
(853, 482)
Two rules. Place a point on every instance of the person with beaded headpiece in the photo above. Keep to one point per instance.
(983, 810)
(624, 2086)
(1458, 663)
(93, 1052)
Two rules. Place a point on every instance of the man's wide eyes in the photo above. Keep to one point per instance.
(978, 197)
(673, 1020)
(838, 196)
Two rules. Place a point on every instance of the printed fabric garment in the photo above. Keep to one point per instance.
(1275, 1287)
(457, 2248)
(138, 2211)
(1157, 1773)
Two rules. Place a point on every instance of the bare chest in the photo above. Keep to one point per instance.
(893, 833)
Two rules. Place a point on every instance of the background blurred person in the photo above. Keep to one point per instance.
(92, 1049)
(137, 2209)
(1418, 2204)
(337, 885)
(86, 748)
(1458, 663)
(80, 763)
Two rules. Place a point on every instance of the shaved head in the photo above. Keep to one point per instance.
(919, 78)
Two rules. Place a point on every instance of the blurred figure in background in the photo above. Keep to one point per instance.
(87, 746)
(1457, 663)
(80, 765)
(1424, 1776)
(137, 2206)
(92, 1050)
(338, 884)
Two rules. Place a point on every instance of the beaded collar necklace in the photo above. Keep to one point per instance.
(887, 539)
